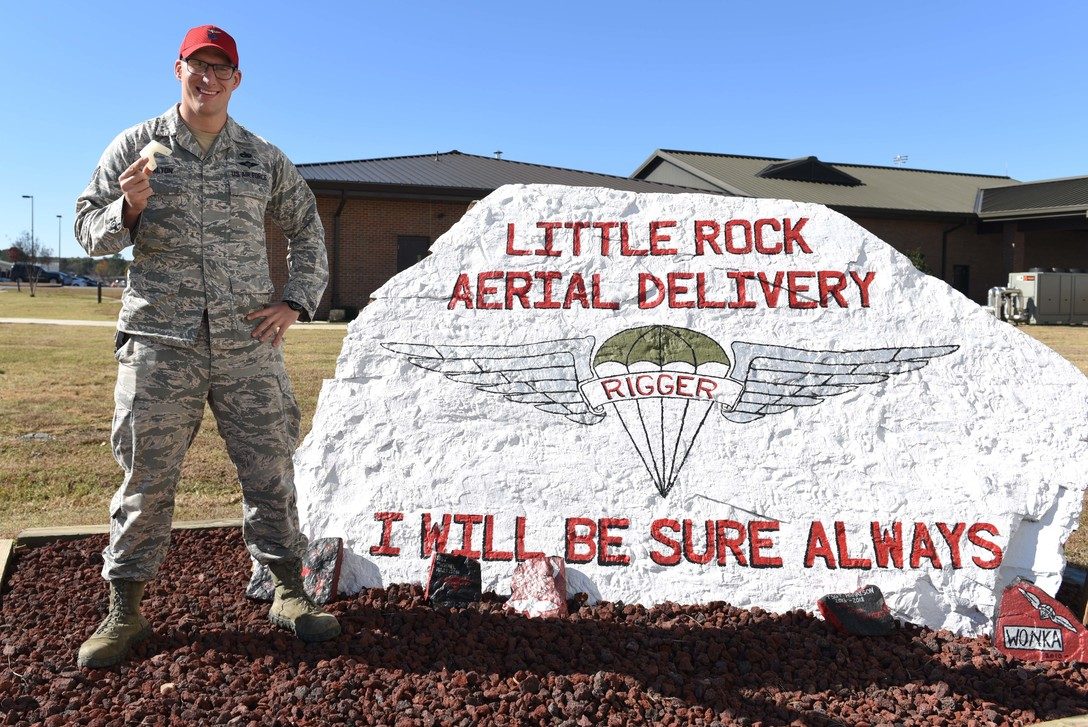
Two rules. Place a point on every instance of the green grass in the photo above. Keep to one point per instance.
(53, 301)
(56, 406)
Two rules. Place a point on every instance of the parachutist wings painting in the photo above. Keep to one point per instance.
(663, 381)
(694, 398)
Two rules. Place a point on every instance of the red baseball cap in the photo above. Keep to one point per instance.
(209, 36)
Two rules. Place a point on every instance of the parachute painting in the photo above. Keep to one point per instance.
(660, 420)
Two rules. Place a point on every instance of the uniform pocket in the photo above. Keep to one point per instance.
(169, 215)
(255, 185)
(151, 301)
(248, 200)
(292, 414)
(250, 281)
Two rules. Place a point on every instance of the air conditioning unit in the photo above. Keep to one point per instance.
(1048, 297)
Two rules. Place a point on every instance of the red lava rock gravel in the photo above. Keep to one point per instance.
(215, 659)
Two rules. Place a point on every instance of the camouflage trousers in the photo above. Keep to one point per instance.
(159, 403)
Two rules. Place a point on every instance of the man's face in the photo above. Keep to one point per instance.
(204, 95)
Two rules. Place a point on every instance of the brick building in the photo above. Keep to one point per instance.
(972, 229)
(382, 215)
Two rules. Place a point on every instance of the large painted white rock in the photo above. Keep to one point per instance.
(695, 398)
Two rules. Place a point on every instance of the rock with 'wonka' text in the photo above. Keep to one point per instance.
(1032, 626)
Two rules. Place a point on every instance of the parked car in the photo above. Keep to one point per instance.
(21, 272)
(82, 281)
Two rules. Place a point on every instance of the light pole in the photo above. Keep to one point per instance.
(31, 246)
(60, 266)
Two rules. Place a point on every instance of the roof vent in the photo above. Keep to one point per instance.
(808, 169)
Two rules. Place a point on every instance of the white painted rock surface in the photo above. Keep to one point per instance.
(752, 401)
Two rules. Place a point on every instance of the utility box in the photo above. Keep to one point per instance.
(1053, 297)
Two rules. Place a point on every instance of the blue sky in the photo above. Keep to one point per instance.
(957, 85)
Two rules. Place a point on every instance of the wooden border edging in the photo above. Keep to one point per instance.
(7, 549)
(40, 536)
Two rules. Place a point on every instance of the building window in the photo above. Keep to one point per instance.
(961, 278)
(410, 250)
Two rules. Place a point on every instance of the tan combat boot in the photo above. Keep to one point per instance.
(123, 628)
(292, 608)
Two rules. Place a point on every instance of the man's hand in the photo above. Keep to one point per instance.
(276, 320)
(134, 183)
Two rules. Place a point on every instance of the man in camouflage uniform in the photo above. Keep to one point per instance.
(200, 323)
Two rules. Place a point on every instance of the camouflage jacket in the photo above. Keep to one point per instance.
(200, 243)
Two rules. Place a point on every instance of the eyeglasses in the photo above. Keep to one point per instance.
(222, 71)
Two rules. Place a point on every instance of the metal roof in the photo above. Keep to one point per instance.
(1053, 197)
(881, 188)
(462, 173)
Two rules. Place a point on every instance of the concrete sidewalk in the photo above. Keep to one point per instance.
(312, 326)
(52, 322)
